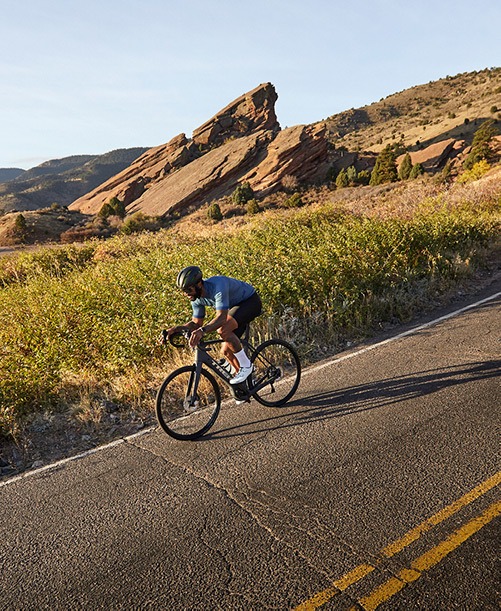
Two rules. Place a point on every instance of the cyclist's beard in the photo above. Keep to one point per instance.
(198, 292)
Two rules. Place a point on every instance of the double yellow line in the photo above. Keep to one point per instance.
(424, 562)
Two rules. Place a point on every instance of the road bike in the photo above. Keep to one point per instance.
(189, 400)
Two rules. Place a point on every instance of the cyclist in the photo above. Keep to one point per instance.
(236, 304)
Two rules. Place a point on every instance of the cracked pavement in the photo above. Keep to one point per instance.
(277, 504)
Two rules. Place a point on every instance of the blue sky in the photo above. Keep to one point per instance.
(90, 76)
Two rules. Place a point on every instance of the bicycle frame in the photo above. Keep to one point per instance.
(240, 392)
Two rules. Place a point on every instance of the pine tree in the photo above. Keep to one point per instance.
(405, 167)
(417, 170)
(481, 145)
(385, 169)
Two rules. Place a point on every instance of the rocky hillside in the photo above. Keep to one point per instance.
(244, 143)
(421, 115)
(61, 181)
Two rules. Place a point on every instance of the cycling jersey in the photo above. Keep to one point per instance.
(222, 293)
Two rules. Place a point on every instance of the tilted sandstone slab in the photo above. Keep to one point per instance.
(433, 156)
(209, 177)
(131, 183)
(299, 151)
(250, 113)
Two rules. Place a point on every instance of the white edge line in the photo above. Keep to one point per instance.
(310, 370)
(64, 461)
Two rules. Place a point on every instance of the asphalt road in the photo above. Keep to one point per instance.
(377, 487)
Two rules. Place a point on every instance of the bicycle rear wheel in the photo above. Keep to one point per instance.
(276, 362)
(180, 413)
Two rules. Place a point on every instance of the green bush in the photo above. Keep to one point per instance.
(294, 201)
(242, 194)
(214, 212)
(139, 222)
(253, 207)
(478, 170)
(114, 207)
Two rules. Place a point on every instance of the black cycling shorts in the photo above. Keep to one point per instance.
(244, 312)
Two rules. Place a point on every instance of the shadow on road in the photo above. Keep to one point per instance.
(375, 394)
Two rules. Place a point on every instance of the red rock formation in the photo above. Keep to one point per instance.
(241, 142)
(296, 151)
(254, 111)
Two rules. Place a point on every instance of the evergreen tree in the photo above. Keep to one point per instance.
(20, 227)
(405, 167)
(385, 169)
(481, 145)
(114, 207)
(363, 177)
(342, 179)
(417, 170)
(351, 175)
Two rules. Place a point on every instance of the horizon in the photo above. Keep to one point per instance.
(136, 74)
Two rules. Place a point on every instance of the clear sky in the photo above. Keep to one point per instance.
(90, 76)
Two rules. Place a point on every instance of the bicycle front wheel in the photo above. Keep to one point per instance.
(277, 366)
(182, 413)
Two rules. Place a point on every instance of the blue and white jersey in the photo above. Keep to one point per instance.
(222, 293)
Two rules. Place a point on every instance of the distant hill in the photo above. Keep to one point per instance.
(10, 173)
(452, 107)
(61, 181)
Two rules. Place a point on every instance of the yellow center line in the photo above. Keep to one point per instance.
(362, 570)
(429, 559)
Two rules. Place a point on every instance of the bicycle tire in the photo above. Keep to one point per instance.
(278, 360)
(176, 416)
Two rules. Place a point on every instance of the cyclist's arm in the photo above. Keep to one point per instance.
(215, 323)
(218, 321)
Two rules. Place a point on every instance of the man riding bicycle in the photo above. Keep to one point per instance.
(236, 303)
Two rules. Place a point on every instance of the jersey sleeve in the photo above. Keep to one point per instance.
(222, 295)
(198, 309)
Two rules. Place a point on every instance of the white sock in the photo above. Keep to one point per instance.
(242, 358)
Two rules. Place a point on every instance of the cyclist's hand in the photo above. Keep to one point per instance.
(166, 334)
(196, 336)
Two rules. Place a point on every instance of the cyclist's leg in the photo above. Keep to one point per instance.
(242, 315)
(231, 343)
